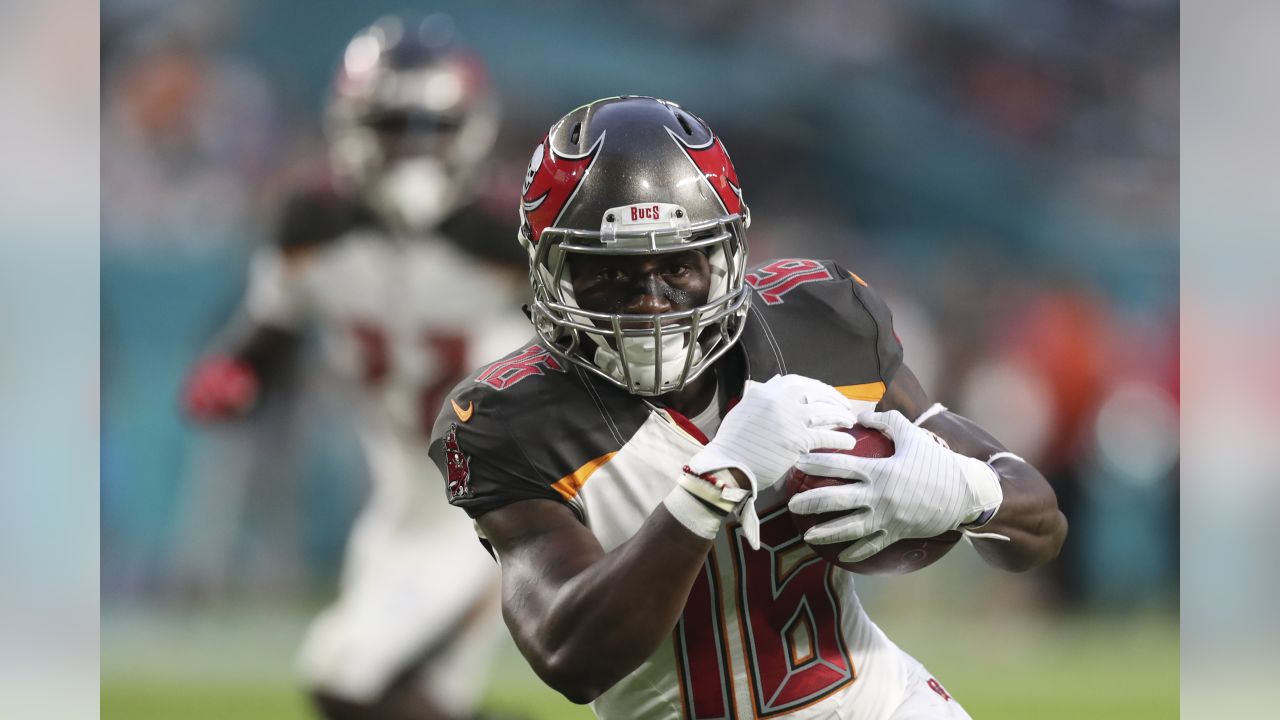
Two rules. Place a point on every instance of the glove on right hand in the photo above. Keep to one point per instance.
(769, 429)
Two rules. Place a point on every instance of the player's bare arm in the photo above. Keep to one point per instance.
(585, 618)
(1028, 513)
(269, 348)
(228, 383)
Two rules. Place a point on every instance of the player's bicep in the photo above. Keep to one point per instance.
(540, 546)
(541, 532)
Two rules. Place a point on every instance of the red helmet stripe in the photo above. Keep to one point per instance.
(553, 185)
(716, 167)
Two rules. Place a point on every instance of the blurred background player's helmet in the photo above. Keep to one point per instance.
(410, 119)
(628, 176)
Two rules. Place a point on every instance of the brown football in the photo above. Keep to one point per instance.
(901, 557)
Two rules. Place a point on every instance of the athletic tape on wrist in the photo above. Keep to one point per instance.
(984, 485)
(693, 514)
(987, 515)
(716, 488)
(971, 535)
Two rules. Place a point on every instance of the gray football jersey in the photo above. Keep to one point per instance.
(773, 631)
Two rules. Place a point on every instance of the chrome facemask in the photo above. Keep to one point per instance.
(644, 354)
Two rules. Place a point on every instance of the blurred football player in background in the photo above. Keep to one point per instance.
(392, 258)
(624, 466)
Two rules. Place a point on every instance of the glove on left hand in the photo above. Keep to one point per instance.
(924, 489)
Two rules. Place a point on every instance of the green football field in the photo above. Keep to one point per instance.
(1000, 668)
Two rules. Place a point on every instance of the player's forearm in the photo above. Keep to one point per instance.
(269, 350)
(1028, 516)
(229, 383)
(1028, 513)
(609, 618)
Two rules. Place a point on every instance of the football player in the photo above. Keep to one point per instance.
(388, 260)
(623, 465)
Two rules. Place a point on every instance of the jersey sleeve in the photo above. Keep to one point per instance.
(311, 218)
(483, 465)
(815, 318)
(276, 295)
(868, 301)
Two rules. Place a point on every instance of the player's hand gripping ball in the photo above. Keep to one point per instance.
(899, 558)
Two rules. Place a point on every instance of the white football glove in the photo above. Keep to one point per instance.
(769, 429)
(924, 489)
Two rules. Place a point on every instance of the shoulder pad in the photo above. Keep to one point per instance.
(318, 215)
(518, 426)
(479, 233)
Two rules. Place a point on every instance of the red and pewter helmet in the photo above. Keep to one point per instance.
(410, 119)
(634, 176)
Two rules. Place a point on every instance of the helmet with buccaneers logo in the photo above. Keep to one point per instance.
(634, 176)
(410, 119)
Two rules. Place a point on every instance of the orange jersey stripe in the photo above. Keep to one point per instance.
(871, 392)
(569, 485)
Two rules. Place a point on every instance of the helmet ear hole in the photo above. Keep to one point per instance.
(684, 124)
(576, 134)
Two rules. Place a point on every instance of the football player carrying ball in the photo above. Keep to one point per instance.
(624, 464)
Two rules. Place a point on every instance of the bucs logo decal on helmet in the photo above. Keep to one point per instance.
(549, 184)
(716, 167)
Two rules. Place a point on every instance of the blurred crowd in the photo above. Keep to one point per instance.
(1006, 173)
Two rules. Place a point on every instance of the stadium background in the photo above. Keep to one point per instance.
(1007, 173)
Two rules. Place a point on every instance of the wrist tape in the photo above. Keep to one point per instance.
(984, 486)
(717, 488)
(700, 518)
(701, 501)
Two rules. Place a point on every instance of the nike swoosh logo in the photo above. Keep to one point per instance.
(463, 415)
